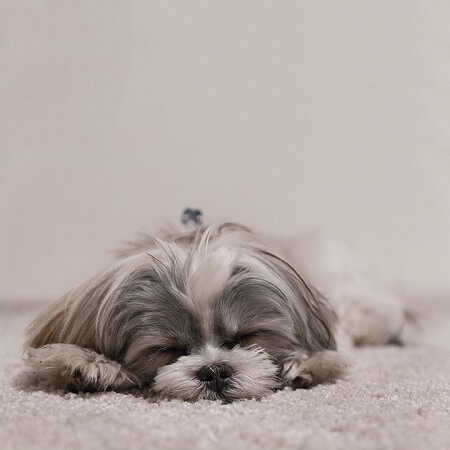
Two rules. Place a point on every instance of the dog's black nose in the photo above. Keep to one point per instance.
(215, 375)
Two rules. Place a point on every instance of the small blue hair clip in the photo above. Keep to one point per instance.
(194, 216)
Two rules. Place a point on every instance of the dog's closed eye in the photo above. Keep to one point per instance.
(173, 351)
(242, 340)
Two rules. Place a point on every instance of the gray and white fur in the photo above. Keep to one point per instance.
(211, 313)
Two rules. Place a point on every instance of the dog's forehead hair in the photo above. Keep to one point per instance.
(200, 271)
(223, 287)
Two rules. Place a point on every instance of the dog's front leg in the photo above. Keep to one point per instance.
(76, 369)
(302, 370)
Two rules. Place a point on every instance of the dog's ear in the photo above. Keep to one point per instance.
(72, 318)
(313, 316)
(46, 328)
(102, 313)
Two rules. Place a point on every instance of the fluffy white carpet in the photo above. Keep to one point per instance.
(394, 398)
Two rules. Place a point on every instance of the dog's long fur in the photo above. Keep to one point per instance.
(207, 314)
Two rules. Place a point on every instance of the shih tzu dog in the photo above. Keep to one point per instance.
(212, 313)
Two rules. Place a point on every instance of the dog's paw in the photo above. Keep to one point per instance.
(302, 371)
(294, 371)
(94, 373)
(73, 368)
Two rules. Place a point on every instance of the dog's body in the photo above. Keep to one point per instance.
(212, 313)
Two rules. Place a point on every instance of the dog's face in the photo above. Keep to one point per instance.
(210, 316)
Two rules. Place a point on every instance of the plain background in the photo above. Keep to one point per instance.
(283, 115)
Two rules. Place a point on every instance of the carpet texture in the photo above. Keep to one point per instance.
(393, 398)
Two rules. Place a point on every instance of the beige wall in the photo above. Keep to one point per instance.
(284, 115)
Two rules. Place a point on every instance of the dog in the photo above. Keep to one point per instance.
(213, 312)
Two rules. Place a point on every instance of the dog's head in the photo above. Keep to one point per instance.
(210, 314)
